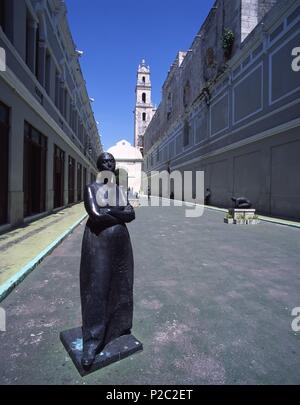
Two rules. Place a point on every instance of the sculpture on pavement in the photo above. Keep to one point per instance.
(106, 270)
(241, 202)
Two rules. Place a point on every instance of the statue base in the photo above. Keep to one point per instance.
(243, 216)
(114, 351)
(134, 202)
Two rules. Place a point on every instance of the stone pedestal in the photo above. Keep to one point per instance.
(243, 216)
(116, 350)
(135, 202)
(242, 212)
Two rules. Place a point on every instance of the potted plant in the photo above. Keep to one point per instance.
(253, 220)
(228, 219)
(228, 41)
(240, 219)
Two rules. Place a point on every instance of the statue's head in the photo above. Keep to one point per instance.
(106, 162)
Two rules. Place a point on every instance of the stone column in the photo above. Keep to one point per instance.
(73, 118)
(75, 182)
(49, 76)
(41, 62)
(76, 123)
(66, 106)
(15, 179)
(18, 25)
(61, 96)
(66, 180)
(31, 49)
(49, 176)
(52, 74)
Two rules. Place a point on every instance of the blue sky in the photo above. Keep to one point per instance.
(115, 35)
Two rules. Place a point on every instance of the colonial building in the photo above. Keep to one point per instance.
(231, 107)
(49, 140)
(129, 159)
(144, 109)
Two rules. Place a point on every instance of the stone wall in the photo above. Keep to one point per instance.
(194, 69)
(252, 12)
(198, 68)
(214, 113)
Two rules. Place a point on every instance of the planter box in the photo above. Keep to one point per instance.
(241, 217)
(253, 221)
(245, 213)
(246, 221)
(239, 222)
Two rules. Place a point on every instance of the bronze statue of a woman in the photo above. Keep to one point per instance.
(106, 270)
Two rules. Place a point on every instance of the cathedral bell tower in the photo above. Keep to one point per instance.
(144, 110)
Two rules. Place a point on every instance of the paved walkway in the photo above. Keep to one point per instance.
(22, 248)
(213, 305)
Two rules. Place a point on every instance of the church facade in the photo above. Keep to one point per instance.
(230, 107)
(129, 159)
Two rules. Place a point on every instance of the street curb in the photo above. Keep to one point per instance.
(272, 220)
(263, 218)
(11, 283)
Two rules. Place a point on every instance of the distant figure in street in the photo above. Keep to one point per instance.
(207, 197)
(149, 192)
